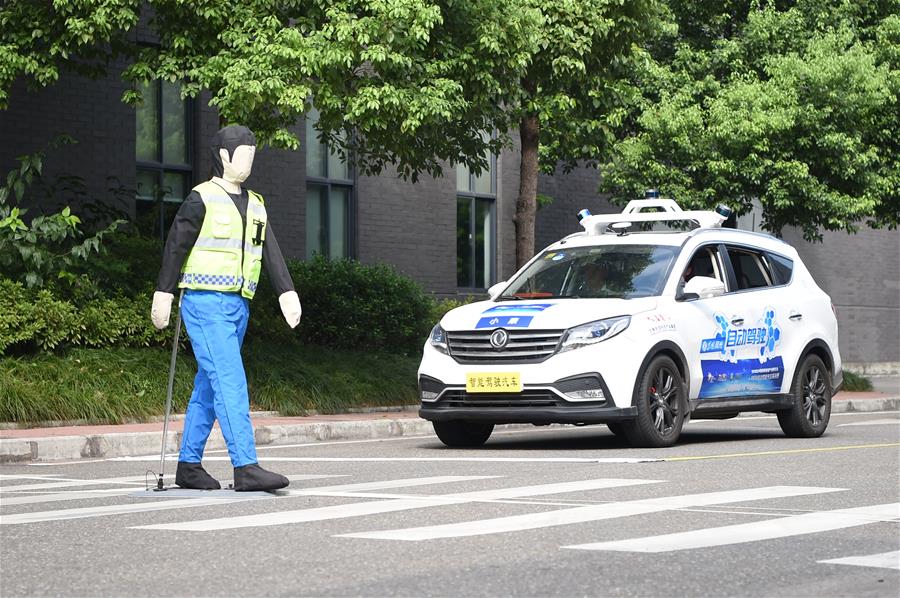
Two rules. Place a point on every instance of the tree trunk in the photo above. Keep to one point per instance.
(526, 205)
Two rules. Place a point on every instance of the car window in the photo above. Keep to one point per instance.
(750, 269)
(704, 262)
(782, 268)
(605, 271)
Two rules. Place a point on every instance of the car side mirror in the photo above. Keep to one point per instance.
(496, 289)
(702, 287)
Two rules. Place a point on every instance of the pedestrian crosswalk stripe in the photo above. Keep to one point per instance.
(73, 483)
(883, 560)
(390, 506)
(783, 527)
(587, 513)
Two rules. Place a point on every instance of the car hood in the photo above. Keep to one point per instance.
(541, 314)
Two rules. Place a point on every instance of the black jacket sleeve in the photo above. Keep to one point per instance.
(182, 236)
(274, 264)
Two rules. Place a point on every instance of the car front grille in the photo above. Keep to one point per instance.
(524, 346)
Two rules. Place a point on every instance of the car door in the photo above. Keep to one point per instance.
(708, 325)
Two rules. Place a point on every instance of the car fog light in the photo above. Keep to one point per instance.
(591, 393)
(428, 395)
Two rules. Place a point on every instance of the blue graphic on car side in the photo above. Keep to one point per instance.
(747, 364)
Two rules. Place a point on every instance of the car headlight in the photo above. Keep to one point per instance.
(438, 339)
(593, 333)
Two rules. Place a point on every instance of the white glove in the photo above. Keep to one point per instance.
(290, 307)
(162, 309)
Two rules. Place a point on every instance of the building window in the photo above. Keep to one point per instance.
(329, 193)
(163, 155)
(476, 217)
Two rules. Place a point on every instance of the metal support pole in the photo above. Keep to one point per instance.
(162, 452)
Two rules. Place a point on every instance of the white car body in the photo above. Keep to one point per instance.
(735, 351)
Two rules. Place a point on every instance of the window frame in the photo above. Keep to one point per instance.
(732, 274)
(473, 196)
(159, 167)
(328, 183)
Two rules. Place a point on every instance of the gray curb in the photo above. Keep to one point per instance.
(105, 446)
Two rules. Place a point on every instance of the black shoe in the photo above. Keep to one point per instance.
(194, 477)
(253, 477)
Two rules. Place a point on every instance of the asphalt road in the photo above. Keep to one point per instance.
(736, 509)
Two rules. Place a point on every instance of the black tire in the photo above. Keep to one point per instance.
(616, 428)
(812, 392)
(462, 434)
(661, 406)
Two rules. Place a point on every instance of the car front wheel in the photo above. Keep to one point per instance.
(462, 434)
(660, 402)
(812, 392)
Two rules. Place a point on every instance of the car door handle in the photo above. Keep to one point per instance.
(795, 316)
(737, 321)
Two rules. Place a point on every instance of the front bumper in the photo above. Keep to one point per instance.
(538, 404)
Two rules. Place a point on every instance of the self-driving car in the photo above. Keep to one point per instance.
(641, 321)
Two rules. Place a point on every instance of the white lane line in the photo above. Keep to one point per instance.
(390, 506)
(433, 459)
(884, 560)
(795, 525)
(386, 484)
(584, 514)
(49, 476)
(873, 422)
(142, 507)
(103, 493)
(74, 483)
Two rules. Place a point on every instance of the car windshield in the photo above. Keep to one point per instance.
(607, 271)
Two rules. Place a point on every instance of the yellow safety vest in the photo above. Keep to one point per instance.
(226, 256)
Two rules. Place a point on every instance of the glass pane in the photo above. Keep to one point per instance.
(483, 181)
(337, 168)
(174, 115)
(462, 178)
(315, 151)
(147, 183)
(337, 222)
(484, 241)
(463, 242)
(315, 232)
(146, 117)
(175, 185)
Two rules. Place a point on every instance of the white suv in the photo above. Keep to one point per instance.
(643, 320)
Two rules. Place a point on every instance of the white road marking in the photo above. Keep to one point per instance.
(584, 514)
(873, 422)
(49, 476)
(390, 506)
(884, 560)
(74, 483)
(86, 494)
(124, 509)
(795, 525)
(433, 459)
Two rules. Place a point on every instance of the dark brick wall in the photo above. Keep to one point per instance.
(861, 273)
(571, 192)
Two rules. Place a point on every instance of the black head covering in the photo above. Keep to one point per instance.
(230, 138)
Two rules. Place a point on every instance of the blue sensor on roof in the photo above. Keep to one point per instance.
(651, 194)
(583, 214)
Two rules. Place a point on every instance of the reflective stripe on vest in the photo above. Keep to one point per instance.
(225, 257)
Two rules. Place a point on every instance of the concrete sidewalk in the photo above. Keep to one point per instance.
(97, 442)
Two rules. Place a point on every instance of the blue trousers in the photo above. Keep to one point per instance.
(216, 323)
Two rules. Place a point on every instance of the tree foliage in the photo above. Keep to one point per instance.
(791, 104)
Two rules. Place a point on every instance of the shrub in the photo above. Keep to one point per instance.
(37, 320)
(349, 305)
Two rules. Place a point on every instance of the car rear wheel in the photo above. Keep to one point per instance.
(660, 402)
(462, 434)
(812, 392)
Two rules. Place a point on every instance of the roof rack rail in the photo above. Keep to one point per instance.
(664, 210)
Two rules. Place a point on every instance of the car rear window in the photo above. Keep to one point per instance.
(782, 268)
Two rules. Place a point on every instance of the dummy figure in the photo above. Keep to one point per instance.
(218, 242)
